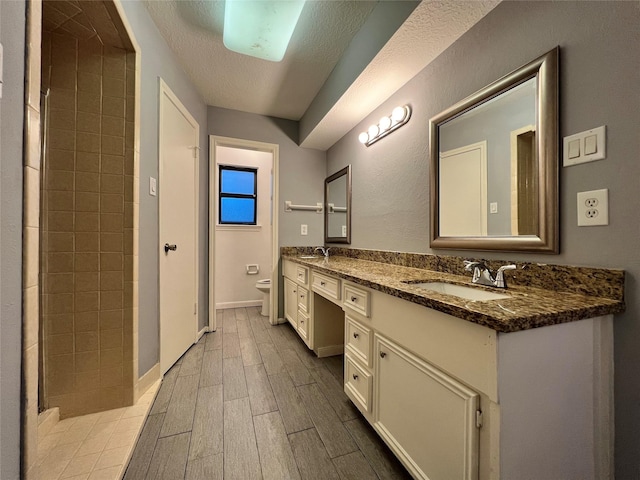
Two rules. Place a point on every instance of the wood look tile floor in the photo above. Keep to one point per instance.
(251, 401)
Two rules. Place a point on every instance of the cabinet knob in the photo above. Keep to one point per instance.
(354, 299)
(322, 284)
(355, 377)
(383, 354)
(302, 296)
(301, 321)
(355, 335)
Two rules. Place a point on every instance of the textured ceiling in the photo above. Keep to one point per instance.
(193, 30)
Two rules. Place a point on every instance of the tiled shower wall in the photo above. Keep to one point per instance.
(87, 225)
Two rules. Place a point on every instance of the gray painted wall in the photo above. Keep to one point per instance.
(159, 61)
(12, 35)
(599, 78)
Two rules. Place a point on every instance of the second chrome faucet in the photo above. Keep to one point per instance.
(324, 250)
(482, 274)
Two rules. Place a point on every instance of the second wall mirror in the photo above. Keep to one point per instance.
(337, 207)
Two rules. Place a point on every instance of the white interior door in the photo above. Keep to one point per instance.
(463, 191)
(178, 208)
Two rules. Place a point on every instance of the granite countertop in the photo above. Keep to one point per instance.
(527, 307)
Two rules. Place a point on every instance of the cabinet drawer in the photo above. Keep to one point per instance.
(357, 339)
(303, 299)
(302, 275)
(357, 299)
(357, 384)
(303, 326)
(327, 286)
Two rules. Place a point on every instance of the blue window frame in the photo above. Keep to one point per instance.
(238, 195)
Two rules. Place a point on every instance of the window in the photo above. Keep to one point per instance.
(238, 195)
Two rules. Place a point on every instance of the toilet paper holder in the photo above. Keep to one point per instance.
(253, 269)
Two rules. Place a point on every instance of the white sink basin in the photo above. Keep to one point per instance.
(309, 256)
(468, 293)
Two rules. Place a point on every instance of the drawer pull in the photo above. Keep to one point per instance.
(355, 377)
(302, 296)
(322, 284)
(354, 299)
(355, 335)
(383, 354)
(301, 321)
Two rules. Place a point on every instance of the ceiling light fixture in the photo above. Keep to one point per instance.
(399, 116)
(260, 28)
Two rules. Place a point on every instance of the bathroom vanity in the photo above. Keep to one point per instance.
(461, 388)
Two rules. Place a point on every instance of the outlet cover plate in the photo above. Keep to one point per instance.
(593, 208)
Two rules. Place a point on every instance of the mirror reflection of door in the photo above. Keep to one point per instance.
(463, 191)
(524, 182)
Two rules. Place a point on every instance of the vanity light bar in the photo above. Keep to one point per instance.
(386, 125)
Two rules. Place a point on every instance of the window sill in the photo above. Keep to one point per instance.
(238, 228)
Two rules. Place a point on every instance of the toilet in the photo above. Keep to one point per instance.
(265, 287)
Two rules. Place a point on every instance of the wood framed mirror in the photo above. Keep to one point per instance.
(494, 165)
(337, 207)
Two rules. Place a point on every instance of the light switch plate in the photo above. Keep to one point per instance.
(493, 207)
(152, 186)
(594, 141)
(593, 208)
(303, 229)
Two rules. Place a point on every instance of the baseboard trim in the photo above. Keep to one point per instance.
(244, 303)
(204, 330)
(146, 381)
(330, 351)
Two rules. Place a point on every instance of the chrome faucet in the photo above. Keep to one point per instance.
(325, 251)
(482, 274)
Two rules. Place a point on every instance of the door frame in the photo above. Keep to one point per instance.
(165, 93)
(273, 148)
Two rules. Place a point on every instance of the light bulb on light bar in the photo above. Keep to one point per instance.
(386, 125)
(260, 28)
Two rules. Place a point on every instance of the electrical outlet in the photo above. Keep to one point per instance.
(493, 207)
(593, 208)
(303, 229)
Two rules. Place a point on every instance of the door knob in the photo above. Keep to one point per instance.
(168, 247)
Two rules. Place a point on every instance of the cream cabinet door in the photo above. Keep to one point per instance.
(426, 417)
(291, 302)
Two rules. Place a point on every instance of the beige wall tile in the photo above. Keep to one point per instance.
(111, 357)
(87, 202)
(88, 122)
(87, 142)
(129, 188)
(89, 82)
(130, 81)
(111, 261)
(112, 397)
(89, 102)
(61, 159)
(87, 182)
(63, 76)
(66, 403)
(87, 361)
(61, 139)
(87, 242)
(128, 241)
(87, 381)
(57, 180)
(87, 322)
(114, 66)
(87, 162)
(86, 222)
(61, 323)
(62, 98)
(128, 161)
(31, 310)
(111, 319)
(60, 242)
(90, 63)
(59, 262)
(86, 342)
(59, 344)
(111, 281)
(86, 281)
(128, 268)
(113, 87)
(87, 301)
(111, 222)
(86, 262)
(113, 106)
(130, 114)
(60, 303)
(112, 145)
(128, 215)
(111, 183)
(111, 338)
(113, 126)
(63, 119)
(111, 377)
(112, 203)
(59, 201)
(60, 375)
(59, 282)
(112, 164)
(128, 295)
(111, 299)
(60, 221)
(111, 242)
(88, 402)
(129, 135)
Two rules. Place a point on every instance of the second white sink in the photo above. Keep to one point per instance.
(468, 293)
